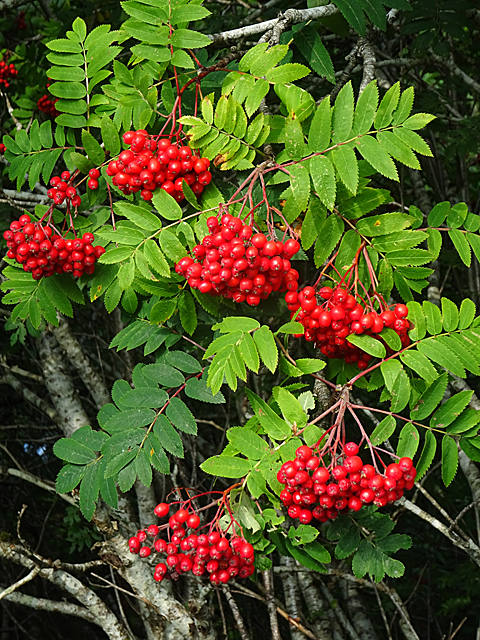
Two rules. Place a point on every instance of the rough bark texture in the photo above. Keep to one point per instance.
(60, 385)
(357, 612)
(80, 362)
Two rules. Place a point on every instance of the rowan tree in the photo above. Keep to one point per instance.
(240, 348)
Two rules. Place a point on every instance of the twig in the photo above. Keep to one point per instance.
(365, 49)
(236, 613)
(19, 583)
(293, 15)
(382, 611)
(29, 477)
(270, 599)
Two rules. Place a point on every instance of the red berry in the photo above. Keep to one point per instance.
(401, 311)
(162, 509)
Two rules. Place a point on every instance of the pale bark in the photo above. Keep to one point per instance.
(54, 606)
(146, 504)
(293, 15)
(291, 593)
(365, 49)
(357, 613)
(80, 362)
(65, 581)
(31, 397)
(469, 547)
(60, 385)
(316, 606)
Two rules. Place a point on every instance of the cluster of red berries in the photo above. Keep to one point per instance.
(47, 105)
(43, 253)
(330, 323)
(317, 491)
(20, 20)
(150, 164)
(60, 190)
(235, 263)
(3, 148)
(221, 557)
(7, 72)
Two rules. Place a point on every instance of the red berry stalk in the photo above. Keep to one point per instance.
(220, 555)
(235, 263)
(321, 487)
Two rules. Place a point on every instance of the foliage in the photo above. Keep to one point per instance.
(293, 166)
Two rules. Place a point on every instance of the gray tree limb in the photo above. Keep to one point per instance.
(88, 598)
(54, 606)
(19, 583)
(236, 613)
(294, 16)
(60, 385)
(80, 362)
(271, 606)
(469, 547)
(31, 397)
(365, 49)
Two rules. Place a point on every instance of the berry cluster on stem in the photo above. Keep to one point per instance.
(43, 252)
(234, 262)
(153, 163)
(7, 73)
(322, 486)
(220, 555)
(329, 323)
(60, 190)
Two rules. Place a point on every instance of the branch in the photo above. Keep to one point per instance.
(29, 477)
(236, 613)
(365, 49)
(60, 385)
(80, 362)
(272, 609)
(5, 5)
(31, 397)
(469, 547)
(55, 606)
(19, 583)
(342, 618)
(294, 16)
(446, 62)
(106, 618)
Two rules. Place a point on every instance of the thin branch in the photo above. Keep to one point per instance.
(236, 613)
(29, 477)
(446, 62)
(67, 608)
(468, 547)
(29, 396)
(270, 599)
(294, 16)
(19, 583)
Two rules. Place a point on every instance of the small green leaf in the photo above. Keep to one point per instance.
(383, 431)
(226, 466)
(430, 399)
(449, 459)
(408, 441)
(267, 349)
(72, 451)
(368, 344)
